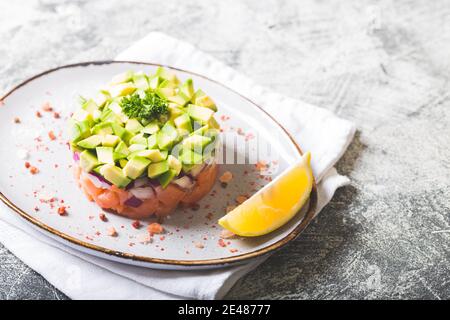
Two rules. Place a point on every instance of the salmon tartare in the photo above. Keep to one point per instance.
(145, 144)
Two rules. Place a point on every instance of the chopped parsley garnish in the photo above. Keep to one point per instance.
(150, 107)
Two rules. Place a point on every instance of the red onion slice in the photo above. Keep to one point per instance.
(76, 156)
(133, 202)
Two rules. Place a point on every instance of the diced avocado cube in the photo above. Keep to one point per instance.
(91, 143)
(121, 89)
(139, 139)
(154, 155)
(174, 164)
(213, 123)
(140, 81)
(102, 128)
(122, 148)
(179, 99)
(123, 163)
(115, 107)
(109, 116)
(127, 136)
(183, 122)
(167, 75)
(96, 115)
(137, 147)
(190, 157)
(118, 130)
(187, 89)
(90, 106)
(168, 84)
(167, 177)
(158, 168)
(152, 142)
(175, 111)
(118, 156)
(110, 140)
(133, 126)
(154, 82)
(98, 168)
(88, 161)
(196, 142)
(105, 154)
(100, 99)
(165, 93)
(136, 167)
(202, 100)
(122, 77)
(79, 130)
(200, 114)
(151, 128)
(166, 136)
(202, 130)
(82, 115)
(114, 175)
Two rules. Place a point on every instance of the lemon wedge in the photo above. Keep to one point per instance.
(275, 204)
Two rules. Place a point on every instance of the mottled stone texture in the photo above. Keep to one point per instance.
(383, 65)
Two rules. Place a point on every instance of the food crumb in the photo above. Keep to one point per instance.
(111, 231)
(233, 250)
(222, 243)
(103, 217)
(144, 238)
(136, 224)
(56, 115)
(17, 120)
(34, 170)
(62, 211)
(27, 165)
(155, 228)
(38, 114)
(47, 107)
(199, 245)
(51, 135)
(226, 177)
(241, 199)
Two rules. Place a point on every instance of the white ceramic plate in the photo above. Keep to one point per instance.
(192, 238)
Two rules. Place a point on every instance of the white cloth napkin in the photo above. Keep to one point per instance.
(81, 276)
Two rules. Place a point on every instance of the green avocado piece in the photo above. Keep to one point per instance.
(90, 106)
(174, 164)
(118, 130)
(79, 130)
(114, 175)
(136, 147)
(140, 81)
(154, 155)
(196, 142)
(213, 123)
(187, 89)
(123, 163)
(136, 167)
(165, 93)
(167, 75)
(190, 157)
(168, 84)
(183, 122)
(102, 128)
(118, 156)
(105, 154)
(166, 177)
(82, 115)
(166, 136)
(158, 168)
(122, 149)
(91, 143)
(108, 116)
(88, 161)
(151, 128)
(202, 100)
(121, 89)
(152, 143)
(154, 82)
(139, 139)
(179, 99)
(200, 114)
(133, 126)
(110, 140)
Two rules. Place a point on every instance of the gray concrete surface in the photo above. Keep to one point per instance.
(383, 65)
